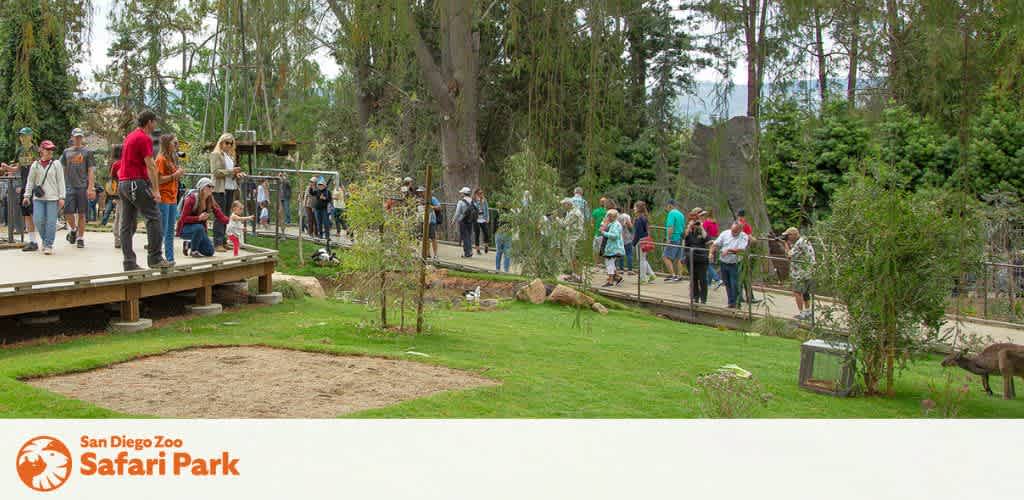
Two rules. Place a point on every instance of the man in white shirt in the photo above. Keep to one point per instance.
(728, 249)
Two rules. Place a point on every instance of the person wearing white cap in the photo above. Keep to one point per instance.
(465, 217)
(195, 211)
(801, 259)
(80, 179)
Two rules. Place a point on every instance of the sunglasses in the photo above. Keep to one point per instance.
(229, 143)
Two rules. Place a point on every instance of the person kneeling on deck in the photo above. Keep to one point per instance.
(195, 211)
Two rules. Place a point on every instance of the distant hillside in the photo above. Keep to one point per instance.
(701, 103)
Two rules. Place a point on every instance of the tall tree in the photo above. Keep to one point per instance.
(452, 82)
(37, 78)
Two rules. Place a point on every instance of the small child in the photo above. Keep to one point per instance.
(236, 227)
(265, 215)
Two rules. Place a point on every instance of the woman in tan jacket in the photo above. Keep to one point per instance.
(227, 175)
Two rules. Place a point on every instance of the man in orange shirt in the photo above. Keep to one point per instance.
(168, 172)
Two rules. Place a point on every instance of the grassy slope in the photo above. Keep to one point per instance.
(621, 365)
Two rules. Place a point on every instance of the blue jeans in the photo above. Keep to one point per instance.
(92, 210)
(503, 243)
(731, 278)
(44, 215)
(713, 274)
(323, 222)
(286, 207)
(628, 259)
(168, 220)
(107, 210)
(198, 239)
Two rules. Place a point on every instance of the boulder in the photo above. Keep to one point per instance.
(310, 285)
(436, 277)
(598, 308)
(533, 293)
(489, 303)
(569, 297)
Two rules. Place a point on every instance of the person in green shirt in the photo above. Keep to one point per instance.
(675, 221)
(597, 216)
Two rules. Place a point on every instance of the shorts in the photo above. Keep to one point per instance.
(672, 252)
(803, 287)
(432, 231)
(76, 201)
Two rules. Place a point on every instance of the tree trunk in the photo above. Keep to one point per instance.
(637, 79)
(750, 34)
(819, 50)
(453, 84)
(854, 49)
(892, 21)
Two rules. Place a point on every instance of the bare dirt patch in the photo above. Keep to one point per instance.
(256, 382)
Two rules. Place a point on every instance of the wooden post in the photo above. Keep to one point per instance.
(130, 306)
(204, 296)
(266, 284)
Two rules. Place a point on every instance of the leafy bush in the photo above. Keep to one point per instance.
(725, 395)
(891, 258)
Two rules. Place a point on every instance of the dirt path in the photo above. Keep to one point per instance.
(256, 382)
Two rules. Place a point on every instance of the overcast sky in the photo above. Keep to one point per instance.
(95, 56)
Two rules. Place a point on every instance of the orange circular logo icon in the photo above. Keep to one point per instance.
(44, 463)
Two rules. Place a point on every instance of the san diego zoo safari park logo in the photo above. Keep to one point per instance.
(44, 463)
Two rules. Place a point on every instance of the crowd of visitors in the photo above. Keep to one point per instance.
(148, 185)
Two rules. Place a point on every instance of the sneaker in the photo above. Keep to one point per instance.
(117, 245)
(132, 267)
(607, 285)
(185, 247)
(618, 281)
(47, 251)
(670, 278)
(71, 236)
(80, 243)
(30, 247)
(161, 264)
(195, 253)
(220, 248)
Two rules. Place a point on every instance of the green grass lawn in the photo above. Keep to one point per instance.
(626, 364)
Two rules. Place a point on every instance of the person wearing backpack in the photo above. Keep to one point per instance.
(45, 191)
(466, 214)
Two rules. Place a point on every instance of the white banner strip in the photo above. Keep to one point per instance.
(511, 459)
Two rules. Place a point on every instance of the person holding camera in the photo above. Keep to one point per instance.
(195, 211)
(801, 259)
(695, 241)
(45, 190)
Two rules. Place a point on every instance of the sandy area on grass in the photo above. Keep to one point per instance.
(256, 382)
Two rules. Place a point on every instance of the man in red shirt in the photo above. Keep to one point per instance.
(136, 190)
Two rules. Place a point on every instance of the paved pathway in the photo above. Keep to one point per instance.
(775, 303)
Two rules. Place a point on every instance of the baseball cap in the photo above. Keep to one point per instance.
(741, 213)
(312, 179)
(47, 145)
(25, 131)
(321, 181)
(790, 231)
(421, 189)
(407, 179)
(77, 132)
(203, 182)
(696, 210)
(465, 190)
